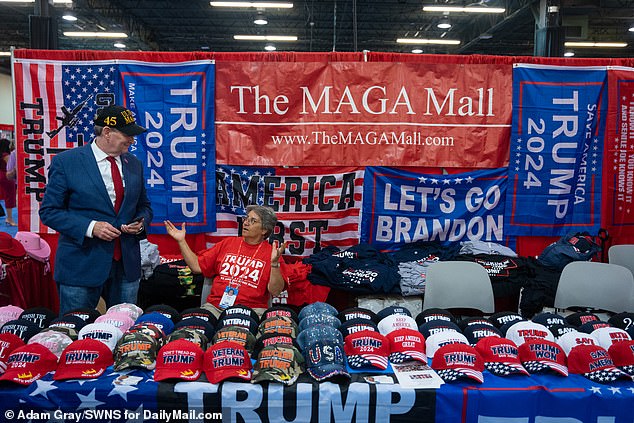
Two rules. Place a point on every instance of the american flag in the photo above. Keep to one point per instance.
(55, 105)
(310, 202)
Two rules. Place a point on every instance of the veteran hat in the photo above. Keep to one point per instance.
(227, 360)
(119, 118)
(238, 334)
(239, 311)
(84, 359)
(239, 320)
(201, 313)
(476, 332)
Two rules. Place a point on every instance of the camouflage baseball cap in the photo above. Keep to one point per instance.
(278, 324)
(278, 363)
(55, 341)
(149, 328)
(236, 334)
(135, 350)
(189, 334)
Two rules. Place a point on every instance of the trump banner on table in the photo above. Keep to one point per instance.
(556, 150)
(401, 207)
(315, 207)
(55, 105)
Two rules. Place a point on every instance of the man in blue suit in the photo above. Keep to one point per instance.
(96, 199)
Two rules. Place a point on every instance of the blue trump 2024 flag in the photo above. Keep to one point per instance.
(556, 150)
(402, 207)
(175, 102)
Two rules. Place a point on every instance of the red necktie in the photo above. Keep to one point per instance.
(118, 199)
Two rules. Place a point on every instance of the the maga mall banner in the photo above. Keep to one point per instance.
(347, 114)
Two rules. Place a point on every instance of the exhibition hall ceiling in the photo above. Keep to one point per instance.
(326, 25)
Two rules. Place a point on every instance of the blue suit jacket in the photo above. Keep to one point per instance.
(75, 195)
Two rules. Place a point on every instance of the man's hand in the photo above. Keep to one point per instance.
(133, 228)
(105, 231)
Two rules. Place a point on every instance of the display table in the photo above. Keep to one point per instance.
(538, 398)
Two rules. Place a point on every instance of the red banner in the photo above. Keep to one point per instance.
(351, 114)
(618, 204)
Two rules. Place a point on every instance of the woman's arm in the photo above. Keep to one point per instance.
(188, 255)
(276, 281)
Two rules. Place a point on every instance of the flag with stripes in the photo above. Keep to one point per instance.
(55, 105)
(315, 206)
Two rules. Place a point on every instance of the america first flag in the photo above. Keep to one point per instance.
(315, 206)
(55, 105)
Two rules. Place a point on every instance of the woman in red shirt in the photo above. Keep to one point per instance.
(246, 269)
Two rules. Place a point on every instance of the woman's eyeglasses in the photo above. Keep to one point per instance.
(251, 220)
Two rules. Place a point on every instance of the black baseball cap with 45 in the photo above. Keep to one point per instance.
(119, 118)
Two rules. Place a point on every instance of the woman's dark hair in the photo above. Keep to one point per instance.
(5, 146)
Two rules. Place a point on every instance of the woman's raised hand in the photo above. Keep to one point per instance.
(174, 232)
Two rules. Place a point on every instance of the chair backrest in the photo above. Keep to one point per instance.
(608, 287)
(458, 284)
(206, 290)
(623, 255)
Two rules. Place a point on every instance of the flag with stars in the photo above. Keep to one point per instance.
(175, 102)
(555, 167)
(401, 207)
(315, 206)
(55, 105)
(618, 207)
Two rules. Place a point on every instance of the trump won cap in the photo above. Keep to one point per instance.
(541, 355)
(84, 359)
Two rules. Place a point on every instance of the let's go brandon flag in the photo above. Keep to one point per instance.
(315, 207)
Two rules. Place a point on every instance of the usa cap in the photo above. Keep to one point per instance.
(501, 356)
(227, 360)
(608, 335)
(542, 355)
(118, 319)
(9, 312)
(367, 349)
(325, 360)
(278, 363)
(434, 342)
(135, 350)
(318, 319)
(84, 359)
(453, 362)
(29, 363)
(236, 334)
(239, 311)
(87, 314)
(55, 341)
(395, 322)
(622, 353)
(520, 332)
(594, 362)
(474, 333)
(189, 334)
(317, 308)
(179, 359)
(41, 316)
(166, 310)
(435, 314)
(406, 345)
(316, 333)
(25, 329)
(8, 343)
(357, 325)
(569, 340)
(354, 313)
(104, 332)
(119, 118)
(280, 310)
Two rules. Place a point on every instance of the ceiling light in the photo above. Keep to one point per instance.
(270, 47)
(417, 50)
(631, 28)
(593, 44)
(70, 18)
(468, 9)
(265, 37)
(259, 5)
(444, 24)
(260, 20)
(86, 34)
(426, 41)
(119, 45)
(5, 53)
(569, 54)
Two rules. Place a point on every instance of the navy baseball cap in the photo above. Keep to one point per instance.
(504, 317)
(476, 332)
(317, 308)
(239, 319)
(394, 309)
(87, 314)
(354, 313)
(623, 320)
(549, 319)
(201, 326)
(318, 332)
(357, 325)
(434, 314)
(158, 319)
(325, 360)
(437, 326)
(239, 311)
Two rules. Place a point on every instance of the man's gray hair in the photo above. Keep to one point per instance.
(266, 215)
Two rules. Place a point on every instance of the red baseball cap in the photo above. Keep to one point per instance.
(594, 362)
(538, 355)
(367, 349)
(226, 360)
(29, 363)
(454, 361)
(501, 356)
(622, 353)
(8, 343)
(405, 345)
(180, 359)
(84, 359)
